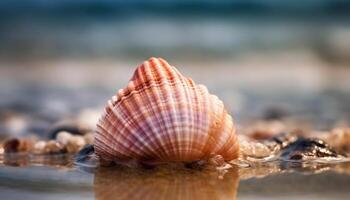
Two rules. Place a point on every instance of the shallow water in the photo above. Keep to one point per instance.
(56, 177)
(262, 67)
(46, 178)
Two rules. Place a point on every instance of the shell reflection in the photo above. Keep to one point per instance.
(164, 184)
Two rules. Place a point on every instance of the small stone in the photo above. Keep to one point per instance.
(308, 148)
(284, 139)
(89, 138)
(75, 144)
(11, 145)
(17, 145)
(217, 160)
(85, 153)
(253, 148)
(53, 147)
(339, 139)
(199, 164)
(63, 137)
(39, 147)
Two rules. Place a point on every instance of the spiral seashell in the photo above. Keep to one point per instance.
(162, 116)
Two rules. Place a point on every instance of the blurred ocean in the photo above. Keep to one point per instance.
(62, 60)
(44, 29)
(258, 56)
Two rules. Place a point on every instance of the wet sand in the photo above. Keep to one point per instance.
(43, 182)
(310, 92)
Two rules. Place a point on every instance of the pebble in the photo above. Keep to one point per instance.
(85, 153)
(75, 144)
(89, 138)
(15, 145)
(63, 137)
(65, 142)
(217, 160)
(339, 139)
(254, 149)
(11, 146)
(53, 147)
(308, 148)
(39, 147)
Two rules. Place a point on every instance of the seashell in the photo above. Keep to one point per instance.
(162, 116)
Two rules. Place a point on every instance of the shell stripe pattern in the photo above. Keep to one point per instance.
(163, 116)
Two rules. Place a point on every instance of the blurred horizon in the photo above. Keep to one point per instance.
(281, 68)
(61, 57)
(40, 30)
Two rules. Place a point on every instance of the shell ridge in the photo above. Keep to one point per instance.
(107, 149)
(126, 112)
(189, 109)
(232, 149)
(144, 132)
(170, 101)
(144, 80)
(207, 105)
(162, 115)
(219, 133)
(198, 111)
(231, 130)
(158, 71)
(173, 97)
(147, 69)
(222, 136)
(102, 123)
(135, 92)
(137, 135)
(119, 136)
(152, 123)
(214, 126)
(165, 99)
(192, 109)
(148, 130)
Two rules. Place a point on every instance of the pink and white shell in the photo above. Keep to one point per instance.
(163, 116)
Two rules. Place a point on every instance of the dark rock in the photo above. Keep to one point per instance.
(85, 153)
(284, 139)
(11, 145)
(196, 164)
(15, 145)
(307, 148)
